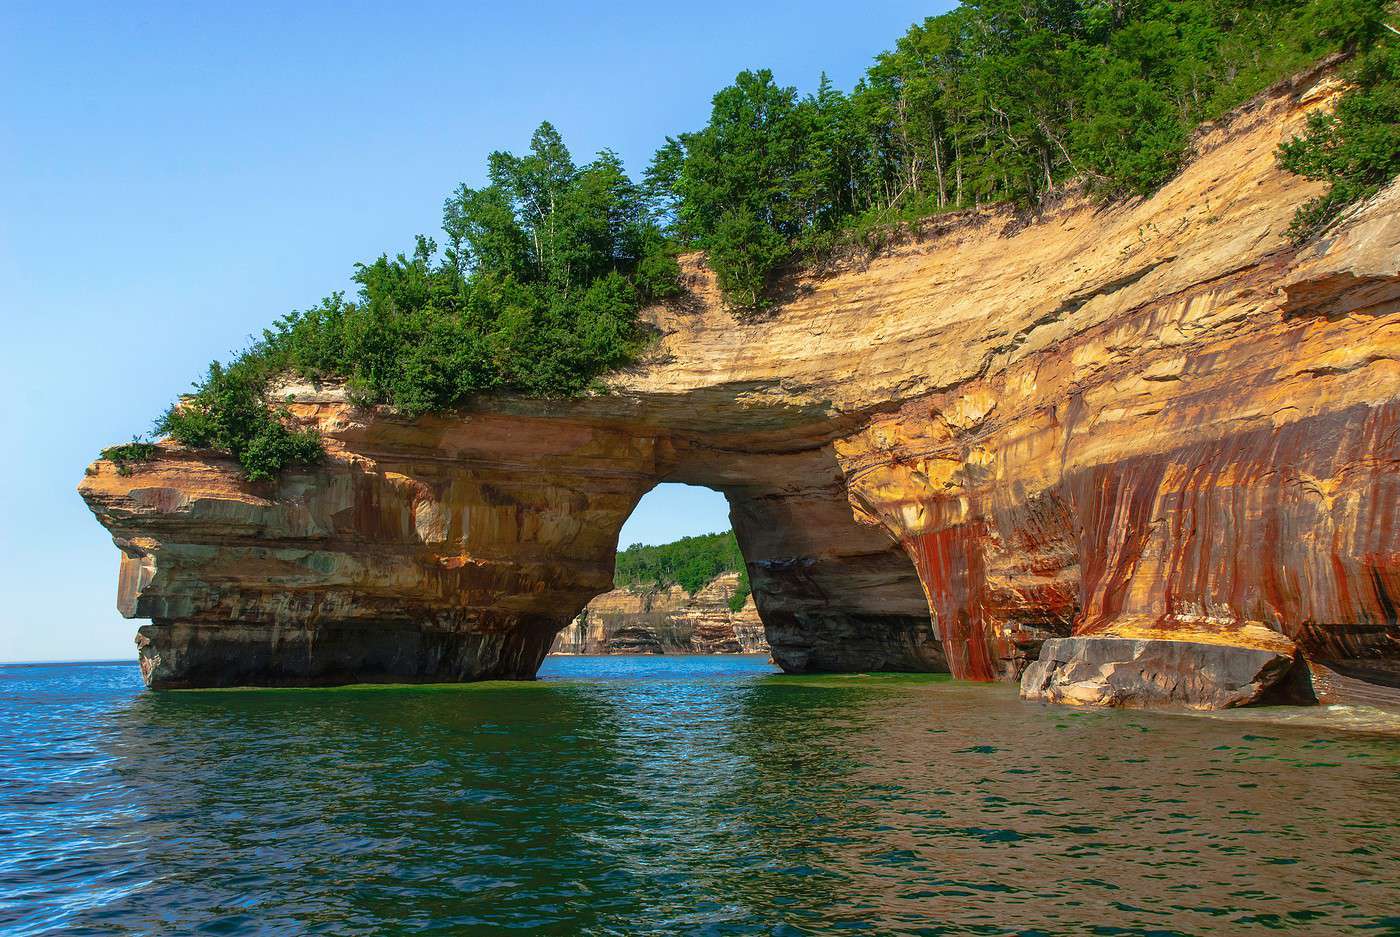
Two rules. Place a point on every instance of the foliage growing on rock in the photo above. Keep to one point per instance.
(541, 272)
(998, 100)
(535, 291)
(127, 454)
(1356, 148)
(230, 412)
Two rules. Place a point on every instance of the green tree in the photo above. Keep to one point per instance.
(536, 291)
(691, 562)
(737, 187)
(1356, 148)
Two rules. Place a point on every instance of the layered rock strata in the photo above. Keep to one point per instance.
(1107, 671)
(636, 620)
(1156, 424)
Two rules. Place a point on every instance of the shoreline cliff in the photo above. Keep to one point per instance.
(1145, 453)
(669, 620)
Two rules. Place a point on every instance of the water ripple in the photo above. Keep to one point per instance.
(681, 796)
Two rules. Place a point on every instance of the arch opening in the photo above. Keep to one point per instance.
(827, 593)
(680, 585)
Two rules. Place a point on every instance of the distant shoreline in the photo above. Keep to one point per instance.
(659, 654)
(59, 663)
(115, 661)
(111, 661)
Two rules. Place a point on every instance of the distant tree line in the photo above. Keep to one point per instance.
(690, 562)
(536, 283)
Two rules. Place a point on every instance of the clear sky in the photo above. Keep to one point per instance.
(174, 176)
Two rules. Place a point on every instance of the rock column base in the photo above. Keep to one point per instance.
(189, 655)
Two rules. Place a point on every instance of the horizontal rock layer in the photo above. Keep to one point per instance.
(1154, 421)
(638, 620)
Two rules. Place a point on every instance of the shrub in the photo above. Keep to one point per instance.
(1356, 148)
(741, 594)
(229, 412)
(128, 454)
(743, 252)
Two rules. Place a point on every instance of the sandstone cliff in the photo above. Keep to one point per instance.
(637, 620)
(1150, 447)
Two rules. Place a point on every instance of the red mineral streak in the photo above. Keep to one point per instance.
(954, 576)
(1114, 507)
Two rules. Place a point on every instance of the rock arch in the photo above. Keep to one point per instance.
(455, 546)
(1152, 443)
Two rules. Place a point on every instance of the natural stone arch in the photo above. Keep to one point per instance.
(834, 594)
(1154, 424)
(456, 546)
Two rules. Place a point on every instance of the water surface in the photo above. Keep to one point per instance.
(688, 795)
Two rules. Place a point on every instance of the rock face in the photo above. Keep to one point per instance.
(666, 621)
(1099, 671)
(1154, 422)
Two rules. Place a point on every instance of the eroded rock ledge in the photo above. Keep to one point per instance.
(1145, 447)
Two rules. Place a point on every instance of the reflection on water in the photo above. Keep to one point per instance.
(681, 795)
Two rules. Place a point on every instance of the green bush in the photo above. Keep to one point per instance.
(743, 253)
(128, 454)
(1356, 148)
(229, 412)
(741, 594)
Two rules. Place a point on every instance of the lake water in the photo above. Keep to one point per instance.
(687, 795)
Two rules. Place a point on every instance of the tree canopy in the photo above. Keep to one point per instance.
(540, 274)
(690, 562)
(998, 100)
(535, 291)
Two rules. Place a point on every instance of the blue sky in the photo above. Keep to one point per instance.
(175, 176)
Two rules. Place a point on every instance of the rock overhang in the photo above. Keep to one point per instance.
(1117, 420)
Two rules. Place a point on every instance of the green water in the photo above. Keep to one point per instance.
(682, 796)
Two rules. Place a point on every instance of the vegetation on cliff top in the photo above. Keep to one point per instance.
(128, 454)
(1356, 148)
(998, 100)
(535, 291)
(536, 286)
(690, 562)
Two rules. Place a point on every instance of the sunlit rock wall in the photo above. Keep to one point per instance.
(1154, 421)
(416, 552)
(638, 620)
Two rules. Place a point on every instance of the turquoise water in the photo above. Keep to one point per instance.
(681, 796)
